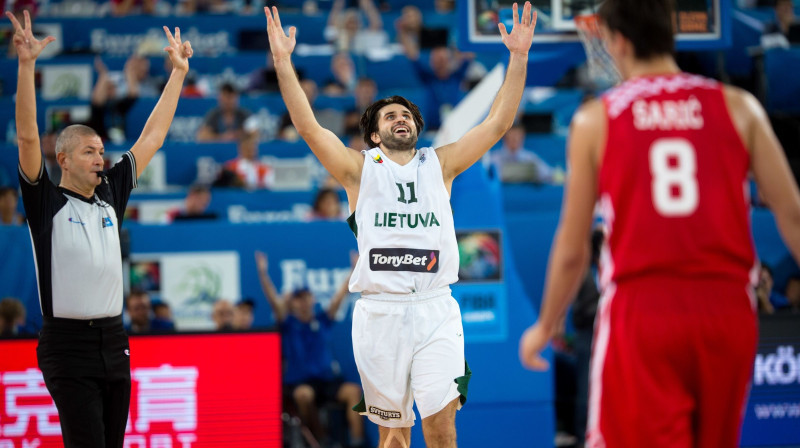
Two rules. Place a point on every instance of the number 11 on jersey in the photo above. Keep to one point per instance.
(412, 196)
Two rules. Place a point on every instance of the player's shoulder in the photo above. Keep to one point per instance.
(744, 109)
(591, 115)
(738, 99)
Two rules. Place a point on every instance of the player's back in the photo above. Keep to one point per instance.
(672, 182)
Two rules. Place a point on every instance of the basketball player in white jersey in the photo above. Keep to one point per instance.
(407, 335)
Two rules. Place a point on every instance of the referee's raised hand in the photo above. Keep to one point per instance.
(28, 47)
(179, 51)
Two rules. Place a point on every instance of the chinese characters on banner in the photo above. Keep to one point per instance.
(189, 391)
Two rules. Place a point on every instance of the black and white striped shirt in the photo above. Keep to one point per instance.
(76, 243)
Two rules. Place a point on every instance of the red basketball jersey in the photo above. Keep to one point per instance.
(673, 182)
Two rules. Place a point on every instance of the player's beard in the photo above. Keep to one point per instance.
(395, 143)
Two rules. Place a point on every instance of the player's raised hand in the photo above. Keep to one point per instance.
(280, 44)
(179, 52)
(28, 47)
(521, 36)
(531, 344)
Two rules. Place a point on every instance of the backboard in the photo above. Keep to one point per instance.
(701, 24)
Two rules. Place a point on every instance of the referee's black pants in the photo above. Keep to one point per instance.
(87, 370)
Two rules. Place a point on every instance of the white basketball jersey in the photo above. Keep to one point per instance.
(404, 226)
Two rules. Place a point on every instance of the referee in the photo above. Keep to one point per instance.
(83, 349)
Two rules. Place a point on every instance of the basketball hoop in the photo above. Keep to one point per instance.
(601, 66)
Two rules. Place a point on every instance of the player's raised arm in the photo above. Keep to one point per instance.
(28, 49)
(460, 155)
(156, 127)
(345, 165)
(772, 174)
(570, 254)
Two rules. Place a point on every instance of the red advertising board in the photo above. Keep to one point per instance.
(189, 391)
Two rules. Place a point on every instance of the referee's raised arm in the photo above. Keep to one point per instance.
(157, 125)
(28, 49)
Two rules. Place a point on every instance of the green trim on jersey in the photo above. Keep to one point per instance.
(351, 221)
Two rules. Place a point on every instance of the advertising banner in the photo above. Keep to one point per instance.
(188, 391)
(772, 416)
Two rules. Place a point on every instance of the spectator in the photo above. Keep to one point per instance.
(121, 8)
(243, 314)
(332, 119)
(792, 293)
(514, 163)
(195, 206)
(9, 198)
(12, 316)
(50, 160)
(190, 7)
(249, 171)
(263, 79)
(409, 24)
(784, 18)
(108, 109)
(364, 94)
(309, 379)
(222, 315)
(141, 317)
(345, 30)
(327, 205)
(443, 76)
(768, 298)
(343, 71)
(161, 310)
(226, 122)
(444, 6)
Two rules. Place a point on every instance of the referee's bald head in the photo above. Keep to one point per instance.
(71, 137)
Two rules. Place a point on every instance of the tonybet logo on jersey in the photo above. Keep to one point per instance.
(397, 259)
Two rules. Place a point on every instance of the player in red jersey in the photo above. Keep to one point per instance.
(667, 155)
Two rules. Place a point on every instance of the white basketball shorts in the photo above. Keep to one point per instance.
(408, 348)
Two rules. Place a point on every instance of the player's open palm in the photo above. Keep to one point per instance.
(179, 51)
(280, 44)
(521, 36)
(28, 47)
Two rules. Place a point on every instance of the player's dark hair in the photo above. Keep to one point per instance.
(369, 120)
(648, 24)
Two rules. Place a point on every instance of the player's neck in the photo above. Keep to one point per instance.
(401, 156)
(664, 65)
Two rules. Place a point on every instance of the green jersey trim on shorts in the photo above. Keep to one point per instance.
(463, 383)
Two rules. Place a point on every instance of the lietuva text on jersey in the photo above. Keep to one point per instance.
(406, 220)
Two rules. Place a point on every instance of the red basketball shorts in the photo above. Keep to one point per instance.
(671, 364)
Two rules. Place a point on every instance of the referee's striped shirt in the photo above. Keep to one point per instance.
(76, 242)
